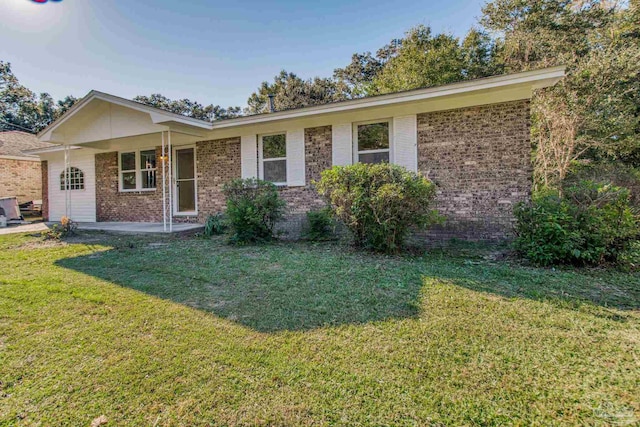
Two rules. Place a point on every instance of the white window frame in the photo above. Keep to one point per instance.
(261, 159)
(356, 152)
(64, 176)
(138, 171)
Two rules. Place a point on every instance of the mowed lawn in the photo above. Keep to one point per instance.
(159, 331)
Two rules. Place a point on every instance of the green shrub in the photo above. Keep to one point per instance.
(590, 223)
(253, 208)
(618, 174)
(320, 224)
(215, 225)
(379, 203)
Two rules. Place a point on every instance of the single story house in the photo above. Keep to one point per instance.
(126, 161)
(20, 172)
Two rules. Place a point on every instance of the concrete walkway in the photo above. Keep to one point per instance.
(137, 227)
(24, 228)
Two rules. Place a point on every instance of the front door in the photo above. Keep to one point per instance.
(185, 173)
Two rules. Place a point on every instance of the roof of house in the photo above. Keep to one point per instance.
(15, 143)
(530, 80)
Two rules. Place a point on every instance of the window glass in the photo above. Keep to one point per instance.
(128, 161)
(148, 179)
(72, 180)
(128, 180)
(147, 159)
(374, 157)
(275, 171)
(138, 170)
(185, 160)
(373, 136)
(274, 146)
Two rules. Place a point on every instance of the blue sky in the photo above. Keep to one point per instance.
(208, 51)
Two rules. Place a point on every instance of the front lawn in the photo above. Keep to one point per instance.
(159, 331)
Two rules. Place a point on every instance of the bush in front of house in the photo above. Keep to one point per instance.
(618, 174)
(379, 203)
(253, 209)
(588, 223)
(320, 225)
(215, 225)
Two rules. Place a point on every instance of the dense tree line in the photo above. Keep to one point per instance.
(22, 109)
(593, 114)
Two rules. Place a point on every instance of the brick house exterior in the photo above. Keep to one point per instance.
(20, 173)
(481, 171)
(471, 138)
(21, 178)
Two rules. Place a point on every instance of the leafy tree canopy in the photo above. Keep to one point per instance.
(290, 91)
(189, 108)
(21, 109)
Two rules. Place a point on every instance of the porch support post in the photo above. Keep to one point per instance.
(170, 183)
(67, 194)
(164, 188)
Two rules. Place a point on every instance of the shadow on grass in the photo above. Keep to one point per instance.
(298, 286)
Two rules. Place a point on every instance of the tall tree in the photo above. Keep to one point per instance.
(290, 91)
(189, 108)
(421, 59)
(357, 77)
(22, 109)
(593, 113)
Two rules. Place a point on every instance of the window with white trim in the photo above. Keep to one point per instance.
(74, 179)
(137, 170)
(372, 142)
(273, 158)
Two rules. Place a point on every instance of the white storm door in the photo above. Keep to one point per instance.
(185, 190)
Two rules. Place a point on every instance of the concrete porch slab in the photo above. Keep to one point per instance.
(138, 227)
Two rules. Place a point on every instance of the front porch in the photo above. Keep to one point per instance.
(122, 166)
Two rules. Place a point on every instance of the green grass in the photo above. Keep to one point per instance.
(158, 331)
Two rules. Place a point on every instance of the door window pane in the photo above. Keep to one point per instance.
(275, 171)
(274, 146)
(128, 161)
(185, 164)
(186, 196)
(373, 136)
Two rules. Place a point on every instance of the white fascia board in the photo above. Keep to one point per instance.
(21, 158)
(51, 149)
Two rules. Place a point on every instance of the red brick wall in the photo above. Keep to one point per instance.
(480, 158)
(45, 190)
(113, 205)
(217, 162)
(21, 178)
